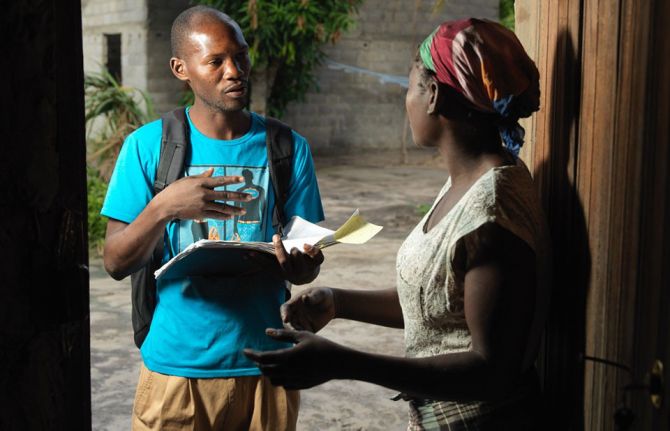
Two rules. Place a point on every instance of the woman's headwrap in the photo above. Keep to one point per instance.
(486, 63)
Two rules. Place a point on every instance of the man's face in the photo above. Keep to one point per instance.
(216, 65)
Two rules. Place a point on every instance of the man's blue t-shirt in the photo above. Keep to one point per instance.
(201, 324)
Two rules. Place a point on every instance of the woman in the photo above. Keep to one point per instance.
(472, 276)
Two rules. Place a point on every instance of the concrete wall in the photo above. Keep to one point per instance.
(354, 111)
(351, 111)
(128, 17)
(145, 37)
(164, 88)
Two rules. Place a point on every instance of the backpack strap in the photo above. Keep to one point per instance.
(174, 144)
(279, 142)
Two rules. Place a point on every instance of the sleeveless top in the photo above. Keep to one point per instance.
(431, 295)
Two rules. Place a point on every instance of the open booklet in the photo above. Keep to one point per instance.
(215, 257)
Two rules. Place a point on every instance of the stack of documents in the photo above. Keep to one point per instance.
(215, 257)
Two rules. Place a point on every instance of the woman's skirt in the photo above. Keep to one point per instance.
(519, 411)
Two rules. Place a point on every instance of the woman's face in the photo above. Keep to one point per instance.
(424, 125)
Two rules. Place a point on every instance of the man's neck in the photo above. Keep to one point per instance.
(217, 124)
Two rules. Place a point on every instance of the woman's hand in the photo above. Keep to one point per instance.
(312, 361)
(311, 310)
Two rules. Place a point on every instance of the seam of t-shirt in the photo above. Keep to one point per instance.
(121, 216)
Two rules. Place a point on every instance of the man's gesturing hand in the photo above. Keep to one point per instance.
(194, 197)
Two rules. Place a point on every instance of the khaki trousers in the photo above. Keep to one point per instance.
(238, 403)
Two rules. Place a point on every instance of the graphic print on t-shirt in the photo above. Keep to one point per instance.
(247, 227)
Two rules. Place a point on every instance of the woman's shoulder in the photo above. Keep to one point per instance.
(506, 197)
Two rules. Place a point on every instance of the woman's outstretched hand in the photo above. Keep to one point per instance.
(312, 361)
(311, 310)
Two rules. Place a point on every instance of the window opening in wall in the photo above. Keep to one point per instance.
(113, 63)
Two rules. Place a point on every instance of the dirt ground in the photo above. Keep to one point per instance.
(388, 193)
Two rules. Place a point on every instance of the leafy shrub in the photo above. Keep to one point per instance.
(507, 13)
(422, 209)
(113, 111)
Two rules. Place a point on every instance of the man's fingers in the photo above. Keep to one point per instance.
(224, 208)
(280, 252)
(208, 173)
(228, 196)
(215, 215)
(312, 251)
(222, 180)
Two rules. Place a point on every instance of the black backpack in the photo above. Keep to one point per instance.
(174, 145)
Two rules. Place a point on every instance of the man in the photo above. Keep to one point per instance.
(194, 374)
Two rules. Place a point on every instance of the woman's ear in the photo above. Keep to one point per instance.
(178, 69)
(435, 97)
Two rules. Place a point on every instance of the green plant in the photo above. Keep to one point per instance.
(285, 39)
(97, 224)
(507, 13)
(422, 209)
(112, 112)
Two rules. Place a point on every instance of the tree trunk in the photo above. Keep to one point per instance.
(261, 80)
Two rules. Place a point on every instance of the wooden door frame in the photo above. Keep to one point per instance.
(599, 158)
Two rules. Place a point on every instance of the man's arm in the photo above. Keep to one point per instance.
(129, 246)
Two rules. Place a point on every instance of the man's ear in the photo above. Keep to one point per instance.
(435, 97)
(178, 68)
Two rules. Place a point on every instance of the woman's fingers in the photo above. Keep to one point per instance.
(287, 335)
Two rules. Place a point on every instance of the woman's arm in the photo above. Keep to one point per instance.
(379, 307)
(312, 309)
(499, 301)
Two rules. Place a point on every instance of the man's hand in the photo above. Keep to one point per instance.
(311, 310)
(296, 267)
(312, 361)
(194, 197)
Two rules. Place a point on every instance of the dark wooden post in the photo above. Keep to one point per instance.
(599, 151)
(44, 312)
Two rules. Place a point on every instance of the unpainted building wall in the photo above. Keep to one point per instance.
(350, 111)
(353, 111)
(164, 88)
(128, 17)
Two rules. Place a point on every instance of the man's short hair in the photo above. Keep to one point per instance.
(182, 25)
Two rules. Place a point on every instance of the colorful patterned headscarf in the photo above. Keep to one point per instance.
(486, 63)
